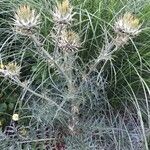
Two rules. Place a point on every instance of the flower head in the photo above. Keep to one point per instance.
(64, 7)
(25, 18)
(15, 117)
(128, 24)
(69, 40)
(62, 13)
(11, 69)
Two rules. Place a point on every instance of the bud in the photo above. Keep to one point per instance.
(15, 117)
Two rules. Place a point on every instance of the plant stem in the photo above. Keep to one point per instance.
(47, 55)
(18, 82)
(68, 64)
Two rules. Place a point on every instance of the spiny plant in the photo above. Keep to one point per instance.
(68, 95)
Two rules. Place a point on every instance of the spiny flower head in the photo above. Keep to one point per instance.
(64, 7)
(69, 40)
(128, 24)
(62, 13)
(26, 18)
(11, 69)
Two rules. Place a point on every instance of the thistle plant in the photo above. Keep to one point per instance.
(126, 27)
(65, 99)
(67, 43)
(29, 20)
